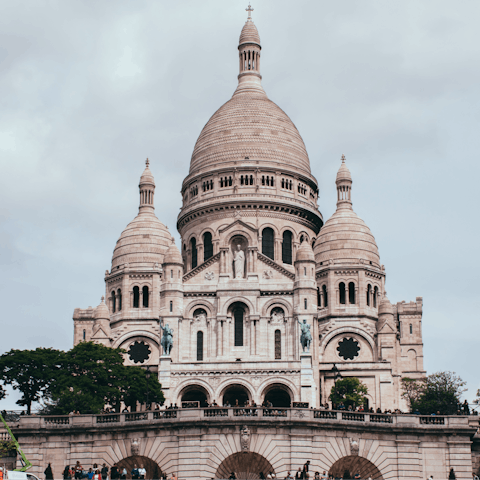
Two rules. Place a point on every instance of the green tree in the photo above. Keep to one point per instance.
(438, 393)
(412, 390)
(32, 372)
(93, 375)
(349, 391)
(135, 387)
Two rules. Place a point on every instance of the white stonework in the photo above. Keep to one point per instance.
(250, 190)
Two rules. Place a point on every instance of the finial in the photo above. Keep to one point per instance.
(343, 158)
(147, 162)
(249, 10)
(103, 298)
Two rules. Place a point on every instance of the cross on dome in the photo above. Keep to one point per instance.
(147, 162)
(249, 10)
(103, 298)
(343, 158)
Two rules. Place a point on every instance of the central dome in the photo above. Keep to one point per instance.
(249, 126)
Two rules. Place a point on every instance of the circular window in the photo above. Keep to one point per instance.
(348, 348)
(139, 352)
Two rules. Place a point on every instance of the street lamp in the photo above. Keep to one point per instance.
(336, 376)
(147, 376)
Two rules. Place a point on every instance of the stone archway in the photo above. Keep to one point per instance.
(246, 465)
(195, 393)
(279, 395)
(235, 395)
(153, 470)
(347, 467)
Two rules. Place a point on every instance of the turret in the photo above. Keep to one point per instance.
(101, 325)
(147, 189)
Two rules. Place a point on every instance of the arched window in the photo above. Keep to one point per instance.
(171, 306)
(351, 293)
(199, 346)
(411, 329)
(341, 289)
(119, 299)
(325, 296)
(287, 247)
(193, 246)
(136, 297)
(238, 316)
(207, 246)
(145, 296)
(369, 293)
(84, 335)
(268, 245)
(375, 294)
(302, 238)
(278, 345)
(114, 303)
(305, 303)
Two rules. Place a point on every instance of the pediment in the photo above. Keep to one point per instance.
(274, 265)
(100, 335)
(206, 273)
(386, 328)
(238, 223)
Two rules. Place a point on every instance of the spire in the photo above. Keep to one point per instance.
(147, 189)
(249, 78)
(344, 186)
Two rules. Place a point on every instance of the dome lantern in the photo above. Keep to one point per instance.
(249, 78)
(344, 186)
(147, 189)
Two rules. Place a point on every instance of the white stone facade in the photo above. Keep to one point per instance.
(250, 189)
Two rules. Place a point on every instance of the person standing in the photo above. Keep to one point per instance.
(299, 474)
(1, 473)
(305, 470)
(114, 473)
(142, 472)
(48, 472)
(123, 476)
(67, 473)
(104, 472)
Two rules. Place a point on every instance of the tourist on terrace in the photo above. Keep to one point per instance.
(289, 476)
(104, 472)
(299, 474)
(123, 476)
(142, 472)
(67, 473)
(97, 475)
(48, 472)
(78, 471)
(466, 408)
(114, 473)
(90, 473)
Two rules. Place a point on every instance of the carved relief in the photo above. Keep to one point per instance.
(277, 315)
(245, 439)
(267, 274)
(354, 447)
(135, 446)
(209, 275)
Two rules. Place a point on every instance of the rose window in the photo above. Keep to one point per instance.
(139, 352)
(348, 348)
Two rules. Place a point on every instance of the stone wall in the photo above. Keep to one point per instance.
(195, 443)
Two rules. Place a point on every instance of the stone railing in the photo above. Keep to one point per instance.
(249, 414)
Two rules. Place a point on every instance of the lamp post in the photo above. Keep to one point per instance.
(147, 376)
(336, 376)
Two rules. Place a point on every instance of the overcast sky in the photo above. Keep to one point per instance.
(90, 89)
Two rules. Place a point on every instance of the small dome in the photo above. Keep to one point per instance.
(346, 238)
(147, 176)
(101, 312)
(305, 253)
(343, 172)
(173, 255)
(143, 243)
(249, 33)
(385, 306)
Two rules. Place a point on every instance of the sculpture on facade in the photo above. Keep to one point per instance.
(306, 336)
(135, 446)
(245, 438)
(167, 338)
(239, 262)
(277, 315)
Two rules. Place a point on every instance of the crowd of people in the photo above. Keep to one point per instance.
(96, 472)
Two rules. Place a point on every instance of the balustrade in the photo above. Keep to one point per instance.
(356, 417)
(57, 420)
(432, 420)
(136, 417)
(115, 418)
(215, 412)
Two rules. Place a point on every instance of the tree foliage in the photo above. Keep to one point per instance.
(31, 372)
(84, 379)
(349, 391)
(437, 393)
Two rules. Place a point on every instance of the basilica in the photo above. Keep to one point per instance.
(262, 300)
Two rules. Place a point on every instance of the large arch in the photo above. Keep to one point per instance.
(246, 465)
(195, 393)
(347, 467)
(153, 470)
(235, 391)
(279, 395)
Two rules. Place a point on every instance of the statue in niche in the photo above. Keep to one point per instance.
(277, 315)
(200, 315)
(306, 336)
(239, 262)
(167, 339)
